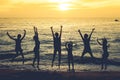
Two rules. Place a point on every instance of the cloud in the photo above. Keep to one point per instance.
(30, 1)
(3, 2)
(32, 10)
(45, 8)
(93, 0)
(93, 4)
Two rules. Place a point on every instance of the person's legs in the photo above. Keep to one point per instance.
(55, 52)
(72, 62)
(90, 52)
(68, 63)
(15, 56)
(83, 53)
(105, 63)
(21, 52)
(59, 59)
(35, 57)
(38, 60)
(102, 64)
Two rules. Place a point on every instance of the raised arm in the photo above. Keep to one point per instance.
(10, 36)
(99, 42)
(71, 42)
(80, 34)
(35, 30)
(24, 35)
(91, 33)
(108, 45)
(61, 31)
(52, 31)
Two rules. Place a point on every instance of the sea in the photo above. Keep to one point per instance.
(104, 27)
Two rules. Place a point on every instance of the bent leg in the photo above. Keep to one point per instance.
(90, 52)
(15, 56)
(21, 52)
(83, 53)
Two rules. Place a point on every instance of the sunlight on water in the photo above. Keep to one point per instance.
(104, 28)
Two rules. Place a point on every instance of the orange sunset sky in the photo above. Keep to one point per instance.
(59, 8)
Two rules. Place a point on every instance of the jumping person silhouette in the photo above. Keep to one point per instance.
(36, 48)
(18, 48)
(105, 54)
(69, 46)
(57, 45)
(86, 41)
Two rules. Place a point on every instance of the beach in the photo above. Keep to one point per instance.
(59, 39)
(86, 69)
(48, 75)
(28, 72)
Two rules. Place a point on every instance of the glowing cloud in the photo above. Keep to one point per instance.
(60, 1)
(64, 6)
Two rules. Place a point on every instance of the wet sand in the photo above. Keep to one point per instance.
(7, 74)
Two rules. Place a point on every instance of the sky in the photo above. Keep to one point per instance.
(59, 8)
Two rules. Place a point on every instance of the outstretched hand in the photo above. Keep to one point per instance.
(79, 30)
(61, 26)
(34, 27)
(51, 27)
(24, 30)
(7, 33)
(93, 29)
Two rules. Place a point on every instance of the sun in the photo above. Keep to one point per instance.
(64, 7)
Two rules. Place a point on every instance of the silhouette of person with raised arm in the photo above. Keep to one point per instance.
(36, 48)
(57, 45)
(18, 48)
(69, 46)
(86, 41)
(105, 54)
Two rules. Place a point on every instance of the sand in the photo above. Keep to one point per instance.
(7, 74)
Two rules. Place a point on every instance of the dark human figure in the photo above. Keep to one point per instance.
(86, 41)
(57, 45)
(18, 48)
(36, 48)
(105, 54)
(69, 46)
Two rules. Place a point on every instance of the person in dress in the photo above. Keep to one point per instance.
(105, 54)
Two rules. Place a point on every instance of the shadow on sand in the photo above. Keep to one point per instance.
(48, 57)
(10, 54)
(97, 61)
(88, 60)
(47, 75)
